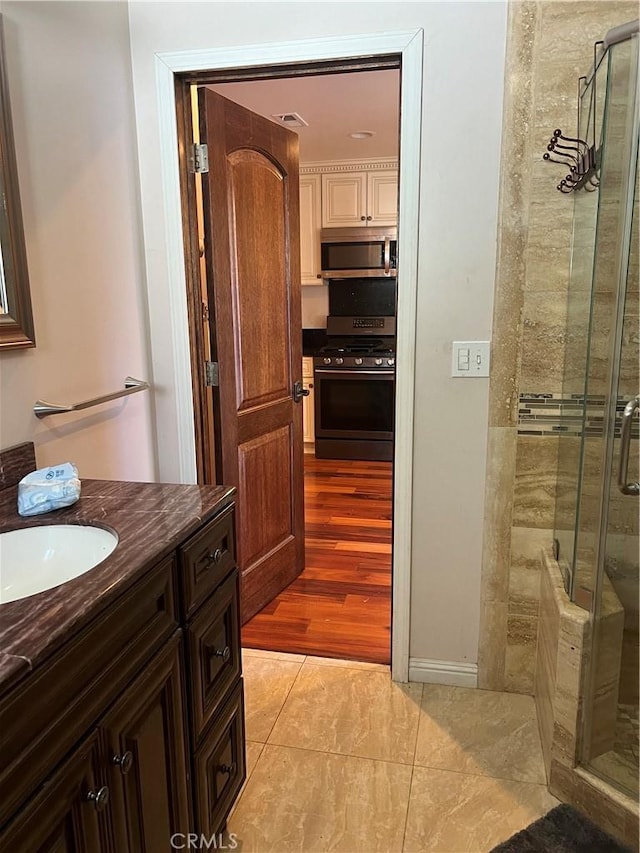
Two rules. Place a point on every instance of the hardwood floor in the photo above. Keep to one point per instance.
(340, 606)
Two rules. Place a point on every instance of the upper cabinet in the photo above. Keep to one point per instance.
(310, 218)
(360, 198)
(332, 195)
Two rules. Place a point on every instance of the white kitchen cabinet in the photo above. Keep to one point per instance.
(310, 219)
(308, 429)
(360, 198)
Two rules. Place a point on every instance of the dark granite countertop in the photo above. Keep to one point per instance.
(150, 519)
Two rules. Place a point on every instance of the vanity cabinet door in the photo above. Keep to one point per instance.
(144, 755)
(70, 812)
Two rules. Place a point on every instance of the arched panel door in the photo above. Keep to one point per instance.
(251, 212)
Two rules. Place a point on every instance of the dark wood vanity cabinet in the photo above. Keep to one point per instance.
(212, 632)
(60, 818)
(165, 754)
(144, 757)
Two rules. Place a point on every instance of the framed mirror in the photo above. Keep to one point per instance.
(16, 318)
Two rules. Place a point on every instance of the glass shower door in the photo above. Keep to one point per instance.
(611, 719)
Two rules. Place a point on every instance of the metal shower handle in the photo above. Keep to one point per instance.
(625, 442)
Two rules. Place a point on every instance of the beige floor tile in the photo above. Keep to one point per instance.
(263, 653)
(312, 801)
(253, 751)
(267, 683)
(463, 813)
(481, 732)
(351, 712)
(347, 664)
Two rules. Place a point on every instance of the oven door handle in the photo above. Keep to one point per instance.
(356, 372)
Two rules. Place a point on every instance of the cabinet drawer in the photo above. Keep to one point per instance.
(214, 653)
(220, 766)
(205, 559)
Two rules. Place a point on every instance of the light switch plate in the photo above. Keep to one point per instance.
(470, 358)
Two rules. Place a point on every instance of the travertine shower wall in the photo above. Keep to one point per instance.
(549, 45)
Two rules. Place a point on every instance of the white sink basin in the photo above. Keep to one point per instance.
(38, 558)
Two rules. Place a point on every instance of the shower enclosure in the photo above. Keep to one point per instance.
(597, 506)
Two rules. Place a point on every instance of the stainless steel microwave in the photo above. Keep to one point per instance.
(359, 252)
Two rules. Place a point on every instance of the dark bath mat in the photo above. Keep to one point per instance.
(562, 830)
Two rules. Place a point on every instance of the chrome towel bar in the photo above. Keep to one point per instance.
(43, 409)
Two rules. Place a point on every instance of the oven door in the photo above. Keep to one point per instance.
(354, 403)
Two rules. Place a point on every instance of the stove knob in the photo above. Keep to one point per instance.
(358, 361)
(378, 362)
(326, 361)
(339, 360)
(391, 362)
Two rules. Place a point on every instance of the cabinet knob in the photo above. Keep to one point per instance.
(363, 218)
(228, 768)
(369, 218)
(225, 654)
(99, 798)
(124, 761)
(215, 557)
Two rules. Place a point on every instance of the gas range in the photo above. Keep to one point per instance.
(354, 389)
(357, 353)
(376, 356)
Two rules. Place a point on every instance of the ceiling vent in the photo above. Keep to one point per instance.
(291, 119)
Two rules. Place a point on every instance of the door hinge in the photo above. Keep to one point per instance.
(211, 374)
(199, 162)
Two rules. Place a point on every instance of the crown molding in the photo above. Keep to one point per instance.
(326, 166)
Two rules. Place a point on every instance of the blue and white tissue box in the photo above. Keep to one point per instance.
(47, 489)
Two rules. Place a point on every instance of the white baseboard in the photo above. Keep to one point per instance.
(443, 672)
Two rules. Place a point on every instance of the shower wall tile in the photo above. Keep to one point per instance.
(543, 341)
(515, 183)
(535, 482)
(501, 466)
(570, 27)
(546, 663)
(547, 269)
(524, 576)
(606, 664)
(522, 635)
(549, 45)
(492, 645)
(556, 86)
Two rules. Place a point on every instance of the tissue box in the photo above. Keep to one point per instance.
(47, 489)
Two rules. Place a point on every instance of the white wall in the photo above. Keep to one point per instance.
(462, 112)
(70, 81)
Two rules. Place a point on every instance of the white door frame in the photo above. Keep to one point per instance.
(409, 45)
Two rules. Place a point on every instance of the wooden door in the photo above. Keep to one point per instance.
(69, 814)
(252, 236)
(144, 748)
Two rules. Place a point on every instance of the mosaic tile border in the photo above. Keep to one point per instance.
(559, 414)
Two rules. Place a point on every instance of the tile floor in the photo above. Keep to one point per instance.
(339, 758)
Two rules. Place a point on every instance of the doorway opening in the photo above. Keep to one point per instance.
(339, 605)
(347, 127)
(175, 74)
